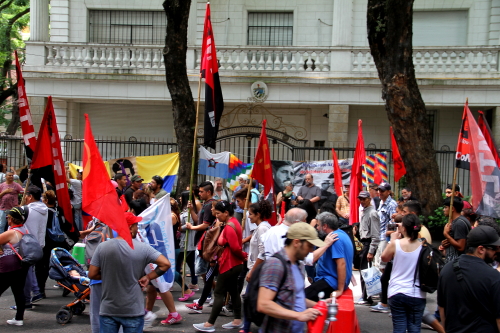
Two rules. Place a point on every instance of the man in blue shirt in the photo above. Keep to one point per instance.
(334, 267)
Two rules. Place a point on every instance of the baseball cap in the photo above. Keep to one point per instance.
(132, 219)
(385, 187)
(363, 194)
(136, 178)
(304, 231)
(483, 235)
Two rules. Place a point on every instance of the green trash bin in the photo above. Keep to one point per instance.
(79, 253)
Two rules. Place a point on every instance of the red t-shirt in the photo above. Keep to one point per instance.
(10, 200)
(232, 255)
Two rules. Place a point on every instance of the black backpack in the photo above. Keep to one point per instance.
(429, 265)
(252, 294)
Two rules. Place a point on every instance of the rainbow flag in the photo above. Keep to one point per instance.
(375, 169)
(236, 168)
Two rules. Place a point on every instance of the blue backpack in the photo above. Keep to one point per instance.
(54, 232)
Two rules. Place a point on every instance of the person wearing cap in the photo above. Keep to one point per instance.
(334, 267)
(343, 206)
(385, 211)
(12, 272)
(310, 191)
(121, 270)
(135, 184)
(455, 233)
(285, 305)
(369, 232)
(469, 289)
(238, 212)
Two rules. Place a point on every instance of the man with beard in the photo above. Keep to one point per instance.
(310, 191)
(334, 267)
(469, 289)
(282, 172)
(157, 192)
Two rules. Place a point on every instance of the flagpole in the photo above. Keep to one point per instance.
(26, 187)
(244, 219)
(191, 184)
(450, 215)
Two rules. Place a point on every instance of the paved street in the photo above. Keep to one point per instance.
(42, 318)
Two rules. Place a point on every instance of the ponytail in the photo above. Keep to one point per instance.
(412, 225)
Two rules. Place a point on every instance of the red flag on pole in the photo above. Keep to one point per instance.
(337, 174)
(486, 130)
(214, 103)
(399, 165)
(357, 175)
(484, 171)
(462, 157)
(99, 197)
(263, 172)
(24, 113)
(48, 162)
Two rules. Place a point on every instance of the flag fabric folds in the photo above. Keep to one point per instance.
(99, 197)
(486, 130)
(484, 171)
(48, 161)
(156, 230)
(236, 168)
(214, 103)
(24, 113)
(166, 166)
(263, 172)
(399, 166)
(337, 174)
(216, 165)
(375, 169)
(356, 176)
(462, 157)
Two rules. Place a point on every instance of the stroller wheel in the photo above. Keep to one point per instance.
(63, 316)
(78, 308)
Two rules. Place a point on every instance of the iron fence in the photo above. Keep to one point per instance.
(12, 154)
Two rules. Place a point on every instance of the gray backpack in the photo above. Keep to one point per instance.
(30, 250)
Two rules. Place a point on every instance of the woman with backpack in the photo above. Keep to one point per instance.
(12, 272)
(230, 262)
(407, 302)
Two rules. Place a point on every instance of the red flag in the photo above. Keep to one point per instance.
(462, 157)
(24, 113)
(357, 176)
(99, 197)
(486, 130)
(337, 174)
(48, 162)
(214, 103)
(399, 165)
(484, 172)
(262, 170)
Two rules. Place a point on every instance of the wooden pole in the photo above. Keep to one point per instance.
(26, 188)
(244, 219)
(191, 181)
(452, 194)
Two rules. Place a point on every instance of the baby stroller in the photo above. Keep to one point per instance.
(69, 274)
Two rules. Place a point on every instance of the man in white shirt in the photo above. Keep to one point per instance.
(220, 192)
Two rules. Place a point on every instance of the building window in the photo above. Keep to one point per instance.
(270, 29)
(127, 27)
(319, 144)
(431, 122)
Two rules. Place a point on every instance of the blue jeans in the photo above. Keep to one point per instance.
(3, 220)
(113, 324)
(407, 313)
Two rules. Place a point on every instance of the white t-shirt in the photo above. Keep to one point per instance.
(76, 186)
(249, 229)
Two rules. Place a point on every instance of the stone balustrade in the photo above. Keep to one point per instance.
(137, 59)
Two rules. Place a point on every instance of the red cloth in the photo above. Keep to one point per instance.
(99, 197)
(232, 255)
(485, 128)
(347, 320)
(357, 176)
(399, 166)
(337, 174)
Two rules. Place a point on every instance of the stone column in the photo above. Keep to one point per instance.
(341, 35)
(72, 124)
(37, 108)
(39, 21)
(338, 121)
(495, 126)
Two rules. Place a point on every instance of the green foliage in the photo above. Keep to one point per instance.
(438, 219)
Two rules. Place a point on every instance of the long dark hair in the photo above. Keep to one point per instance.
(412, 225)
(224, 206)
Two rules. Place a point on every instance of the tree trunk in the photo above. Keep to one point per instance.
(15, 121)
(389, 25)
(183, 106)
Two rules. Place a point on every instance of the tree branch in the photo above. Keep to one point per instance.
(18, 16)
(7, 93)
(7, 5)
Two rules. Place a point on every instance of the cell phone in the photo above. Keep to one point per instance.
(392, 226)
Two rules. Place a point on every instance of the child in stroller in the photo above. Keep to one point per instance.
(69, 274)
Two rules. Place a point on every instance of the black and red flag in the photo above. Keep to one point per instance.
(463, 146)
(486, 130)
(214, 103)
(24, 113)
(48, 161)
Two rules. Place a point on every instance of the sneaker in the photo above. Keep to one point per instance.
(27, 307)
(57, 286)
(194, 287)
(15, 322)
(429, 327)
(170, 320)
(186, 296)
(195, 307)
(201, 327)
(211, 301)
(38, 297)
(390, 314)
(226, 312)
(230, 326)
(380, 308)
(149, 318)
(361, 301)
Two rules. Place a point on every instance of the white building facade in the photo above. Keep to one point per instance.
(104, 58)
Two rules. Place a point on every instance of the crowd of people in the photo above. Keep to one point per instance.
(226, 240)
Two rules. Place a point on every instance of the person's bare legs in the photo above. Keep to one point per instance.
(168, 300)
(150, 297)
